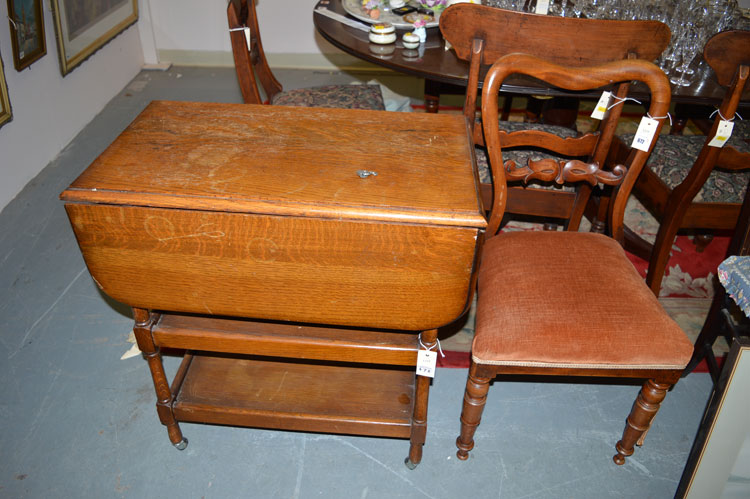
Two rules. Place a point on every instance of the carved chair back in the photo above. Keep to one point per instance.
(575, 78)
(481, 34)
(247, 49)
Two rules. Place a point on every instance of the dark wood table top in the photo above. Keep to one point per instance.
(434, 62)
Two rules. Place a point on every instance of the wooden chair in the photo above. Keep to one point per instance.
(724, 318)
(481, 34)
(568, 303)
(252, 68)
(687, 183)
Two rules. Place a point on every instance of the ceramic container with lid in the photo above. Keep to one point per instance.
(410, 40)
(382, 33)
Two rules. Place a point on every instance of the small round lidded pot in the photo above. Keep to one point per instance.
(410, 40)
(382, 33)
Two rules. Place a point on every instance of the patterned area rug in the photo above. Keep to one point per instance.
(687, 287)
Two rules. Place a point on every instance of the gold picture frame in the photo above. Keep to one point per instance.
(26, 21)
(5, 112)
(83, 27)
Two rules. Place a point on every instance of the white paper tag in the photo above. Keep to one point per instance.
(645, 134)
(601, 108)
(542, 7)
(426, 362)
(722, 134)
(247, 39)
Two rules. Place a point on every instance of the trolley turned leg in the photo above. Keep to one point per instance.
(419, 417)
(144, 321)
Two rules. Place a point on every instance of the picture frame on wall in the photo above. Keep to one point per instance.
(5, 113)
(26, 22)
(82, 28)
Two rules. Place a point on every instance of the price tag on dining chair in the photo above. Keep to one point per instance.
(723, 132)
(645, 134)
(542, 7)
(426, 363)
(601, 108)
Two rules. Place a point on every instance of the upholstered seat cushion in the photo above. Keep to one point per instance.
(338, 96)
(520, 156)
(569, 299)
(674, 155)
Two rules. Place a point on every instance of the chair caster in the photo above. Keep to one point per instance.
(181, 445)
(409, 464)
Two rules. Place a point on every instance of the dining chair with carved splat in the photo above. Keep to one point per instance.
(562, 303)
(252, 68)
(481, 34)
(690, 181)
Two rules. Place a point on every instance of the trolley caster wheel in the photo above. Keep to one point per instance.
(409, 464)
(181, 445)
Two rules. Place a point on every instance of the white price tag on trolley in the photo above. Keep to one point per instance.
(722, 134)
(426, 363)
(645, 134)
(542, 7)
(601, 108)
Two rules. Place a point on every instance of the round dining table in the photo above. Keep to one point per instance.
(443, 72)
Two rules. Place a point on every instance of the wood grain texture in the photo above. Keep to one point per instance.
(361, 274)
(290, 161)
(566, 41)
(297, 396)
(285, 340)
(726, 52)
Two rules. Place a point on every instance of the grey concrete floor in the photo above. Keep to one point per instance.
(76, 421)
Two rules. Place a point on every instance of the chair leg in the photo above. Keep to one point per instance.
(701, 241)
(713, 326)
(644, 409)
(431, 96)
(475, 397)
(657, 265)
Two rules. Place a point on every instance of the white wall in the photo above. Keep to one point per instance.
(49, 110)
(195, 32)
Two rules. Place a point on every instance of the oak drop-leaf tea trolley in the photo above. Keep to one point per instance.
(300, 257)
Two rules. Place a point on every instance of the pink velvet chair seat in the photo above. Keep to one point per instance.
(570, 299)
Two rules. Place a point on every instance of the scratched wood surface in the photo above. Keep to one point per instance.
(289, 161)
(258, 212)
(400, 276)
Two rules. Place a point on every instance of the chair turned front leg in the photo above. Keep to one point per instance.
(644, 409)
(475, 398)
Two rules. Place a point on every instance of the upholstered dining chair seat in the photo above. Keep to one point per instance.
(674, 155)
(582, 299)
(336, 96)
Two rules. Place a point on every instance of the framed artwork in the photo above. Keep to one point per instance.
(85, 26)
(5, 114)
(27, 31)
(719, 462)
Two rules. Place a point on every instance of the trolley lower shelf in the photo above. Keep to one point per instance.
(294, 395)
